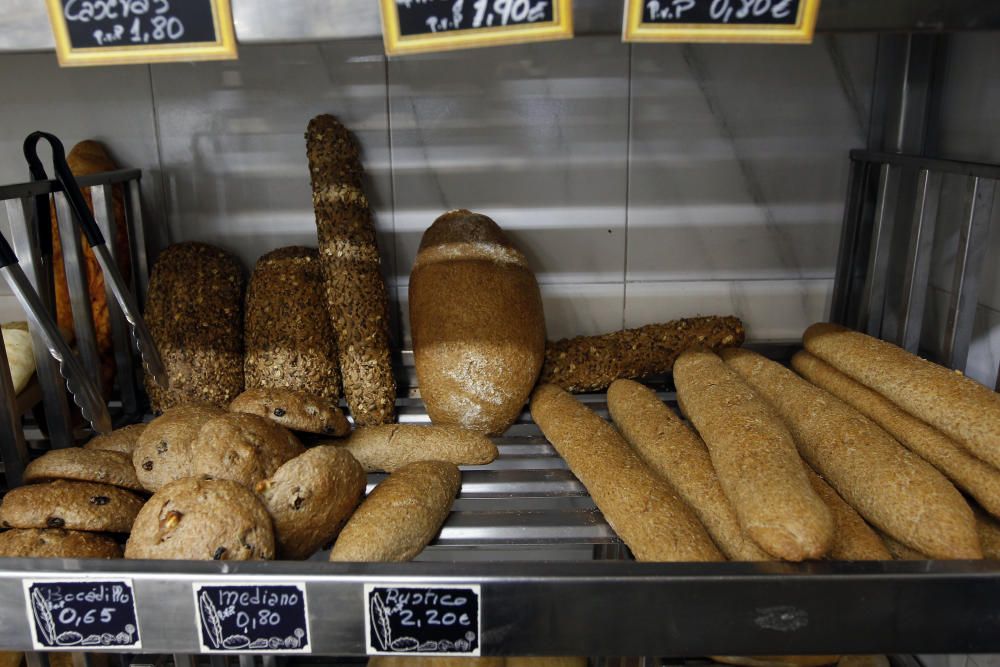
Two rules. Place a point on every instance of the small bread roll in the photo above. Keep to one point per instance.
(387, 447)
(853, 538)
(242, 447)
(163, 450)
(755, 458)
(123, 440)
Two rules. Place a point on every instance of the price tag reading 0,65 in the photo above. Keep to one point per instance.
(433, 620)
(83, 614)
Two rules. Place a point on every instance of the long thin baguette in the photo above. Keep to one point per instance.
(977, 478)
(854, 539)
(989, 534)
(678, 455)
(387, 447)
(654, 523)
(894, 489)
(755, 458)
(959, 407)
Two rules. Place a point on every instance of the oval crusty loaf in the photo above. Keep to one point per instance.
(755, 458)
(310, 497)
(243, 448)
(295, 410)
(390, 446)
(290, 341)
(355, 292)
(123, 440)
(56, 543)
(84, 465)
(202, 519)
(642, 508)
(894, 489)
(401, 515)
(959, 407)
(72, 505)
(476, 318)
(678, 455)
(194, 311)
(853, 539)
(977, 478)
(163, 452)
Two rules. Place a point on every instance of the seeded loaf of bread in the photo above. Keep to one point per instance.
(895, 490)
(477, 323)
(853, 538)
(194, 311)
(755, 458)
(355, 291)
(387, 447)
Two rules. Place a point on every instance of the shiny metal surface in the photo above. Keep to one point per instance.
(918, 259)
(873, 296)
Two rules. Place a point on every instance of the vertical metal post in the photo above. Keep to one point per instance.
(137, 239)
(247, 661)
(12, 447)
(968, 264)
(184, 660)
(873, 295)
(36, 659)
(918, 259)
(853, 210)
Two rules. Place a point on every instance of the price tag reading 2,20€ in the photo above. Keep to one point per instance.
(82, 614)
(431, 620)
(257, 618)
(720, 20)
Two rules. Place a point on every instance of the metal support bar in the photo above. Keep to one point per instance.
(853, 211)
(873, 296)
(137, 239)
(918, 258)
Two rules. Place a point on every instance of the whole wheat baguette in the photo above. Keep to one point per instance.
(678, 455)
(989, 534)
(959, 407)
(900, 551)
(978, 479)
(401, 515)
(755, 458)
(387, 447)
(642, 508)
(854, 539)
(894, 489)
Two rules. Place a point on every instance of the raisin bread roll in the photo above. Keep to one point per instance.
(477, 323)
(355, 290)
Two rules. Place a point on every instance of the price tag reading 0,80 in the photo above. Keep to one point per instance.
(421, 619)
(82, 614)
(265, 618)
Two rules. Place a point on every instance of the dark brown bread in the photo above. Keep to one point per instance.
(853, 538)
(895, 490)
(679, 456)
(295, 410)
(477, 323)
(978, 478)
(592, 363)
(72, 505)
(387, 447)
(56, 543)
(755, 458)
(195, 313)
(355, 291)
(642, 508)
(959, 407)
(290, 342)
(84, 465)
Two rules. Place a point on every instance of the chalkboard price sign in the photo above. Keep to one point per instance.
(257, 618)
(720, 20)
(430, 620)
(415, 26)
(82, 614)
(111, 32)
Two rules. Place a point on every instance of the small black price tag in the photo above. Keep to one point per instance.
(790, 21)
(439, 620)
(258, 618)
(90, 614)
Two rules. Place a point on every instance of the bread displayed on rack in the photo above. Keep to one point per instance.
(20, 356)
(387, 447)
(56, 543)
(242, 447)
(895, 490)
(72, 505)
(294, 410)
(194, 310)
(755, 458)
(641, 508)
(123, 440)
(355, 291)
(477, 323)
(679, 456)
(163, 452)
(84, 465)
(853, 539)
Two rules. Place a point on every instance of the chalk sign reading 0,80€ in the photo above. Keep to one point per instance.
(257, 618)
(720, 20)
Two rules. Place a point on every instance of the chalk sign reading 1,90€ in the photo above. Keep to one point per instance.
(787, 21)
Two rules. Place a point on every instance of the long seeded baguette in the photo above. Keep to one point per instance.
(387, 447)
(642, 508)
(592, 363)
(401, 515)
(894, 489)
(959, 407)
(978, 479)
(854, 539)
(755, 458)
(355, 290)
(678, 455)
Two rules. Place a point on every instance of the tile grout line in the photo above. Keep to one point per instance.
(628, 179)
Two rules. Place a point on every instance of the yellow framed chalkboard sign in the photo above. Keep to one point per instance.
(421, 26)
(776, 21)
(98, 32)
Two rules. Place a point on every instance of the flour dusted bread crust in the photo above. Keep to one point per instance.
(310, 497)
(401, 515)
(163, 452)
(679, 456)
(123, 440)
(355, 291)
(84, 465)
(202, 519)
(642, 508)
(194, 310)
(853, 539)
(56, 543)
(959, 407)
(388, 447)
(242, 447)
(755, 458)
(295, 410)
(895, 490)
(477, 323)
(72, 505)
